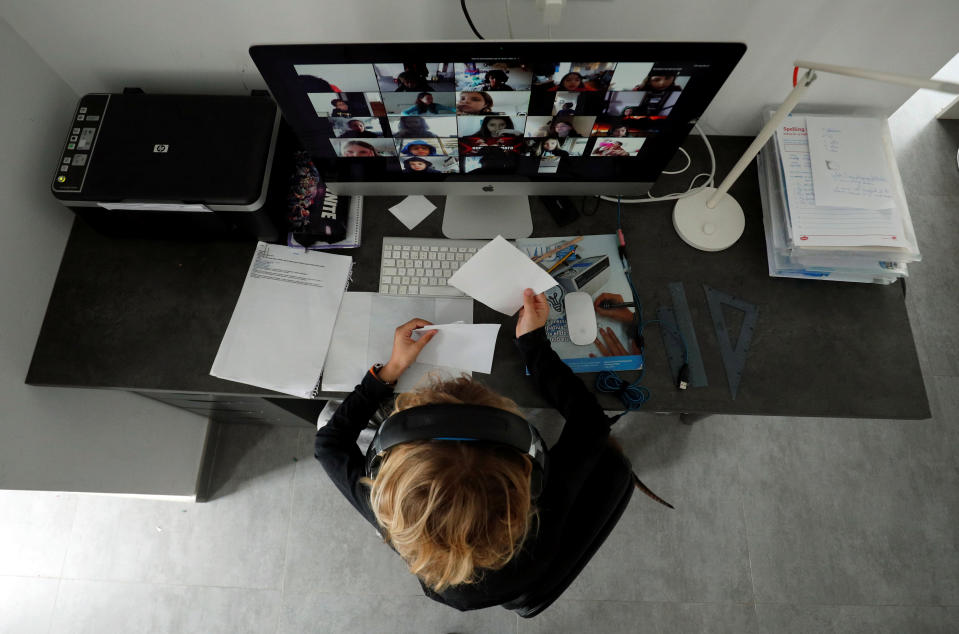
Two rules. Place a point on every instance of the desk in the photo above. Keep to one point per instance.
(147, 316)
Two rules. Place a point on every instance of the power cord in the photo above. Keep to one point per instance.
(689, 190)
(689, 161)
(466, 13)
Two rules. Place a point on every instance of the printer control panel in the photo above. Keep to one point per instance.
(80, 143)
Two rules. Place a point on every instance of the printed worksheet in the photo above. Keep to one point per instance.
(281, 326)
(810, 222)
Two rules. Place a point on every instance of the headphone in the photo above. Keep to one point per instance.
(461, 423)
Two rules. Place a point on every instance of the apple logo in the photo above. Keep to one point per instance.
(488, 188)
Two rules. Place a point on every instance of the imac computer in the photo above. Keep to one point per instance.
(488, 124)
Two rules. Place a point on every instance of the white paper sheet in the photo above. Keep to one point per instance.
(462, 346)
(498, 274)
(281, 326)
(412, 210)
(364, 335)
(848, 163)
(811, 224)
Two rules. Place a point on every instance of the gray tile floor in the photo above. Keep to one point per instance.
(782, 525)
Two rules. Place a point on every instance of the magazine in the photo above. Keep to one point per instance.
(590, 264)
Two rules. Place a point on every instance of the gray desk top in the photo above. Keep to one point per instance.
(148, 315)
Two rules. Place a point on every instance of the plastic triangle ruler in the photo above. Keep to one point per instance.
(734, 358)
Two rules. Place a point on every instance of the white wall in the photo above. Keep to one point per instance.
(197, 46)
(52, 438)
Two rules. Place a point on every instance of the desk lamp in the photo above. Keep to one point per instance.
(711, 219)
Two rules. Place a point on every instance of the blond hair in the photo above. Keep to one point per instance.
(453, 509)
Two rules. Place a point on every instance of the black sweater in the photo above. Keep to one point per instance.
(582, 440)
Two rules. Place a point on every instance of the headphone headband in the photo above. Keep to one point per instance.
(459, 423)
(455, 422)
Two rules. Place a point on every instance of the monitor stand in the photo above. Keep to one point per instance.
(487, 217)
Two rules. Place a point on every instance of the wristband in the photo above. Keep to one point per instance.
(375, 371)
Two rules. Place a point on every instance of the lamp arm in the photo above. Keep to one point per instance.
(892, 78)
(767, 131)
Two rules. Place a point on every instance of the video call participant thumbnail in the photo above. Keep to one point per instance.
(548, 147)
(492, 75)
(430, 165)
(559, 127)
(613, 146)
(341, 108)
(365, 148)
(337, 77)
(417, 127)
(414, 76)
(357, 128)
(572, 82)
(420, 165)
(618, 127)
(490, 125)
(581, 77)
(474, 102)
(346, 105)
(565, 104)
(410, 81)
(661, 90)
(483, 146)
(478, 102)
(627, 75)
(496, 79)
(427, 103)
(422, 103)
(427, 147)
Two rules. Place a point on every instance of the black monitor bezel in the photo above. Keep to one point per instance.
(276, 64)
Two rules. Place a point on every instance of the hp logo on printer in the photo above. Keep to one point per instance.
(161, 148)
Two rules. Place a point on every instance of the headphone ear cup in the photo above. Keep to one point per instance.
(535, 483)
(373, 461)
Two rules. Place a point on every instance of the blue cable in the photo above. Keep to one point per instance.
(633, 395)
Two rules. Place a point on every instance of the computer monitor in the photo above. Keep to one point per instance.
(490, 123)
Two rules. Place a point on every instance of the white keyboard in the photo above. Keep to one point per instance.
(421, 266)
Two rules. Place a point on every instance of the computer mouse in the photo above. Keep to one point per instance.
(580, 318)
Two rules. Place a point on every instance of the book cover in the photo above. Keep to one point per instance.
(590, 264)
(317, 218)
(348, 207)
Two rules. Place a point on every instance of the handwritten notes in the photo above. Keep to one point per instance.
(848, 163)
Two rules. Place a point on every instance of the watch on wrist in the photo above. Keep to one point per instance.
(375, 371)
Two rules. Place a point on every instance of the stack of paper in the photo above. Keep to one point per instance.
(833, 202)
(283, 320)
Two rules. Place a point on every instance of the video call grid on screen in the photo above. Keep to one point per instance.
(494, 111)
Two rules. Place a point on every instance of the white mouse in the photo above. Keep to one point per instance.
(580, 318)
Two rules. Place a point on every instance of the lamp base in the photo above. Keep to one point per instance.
(708, 229)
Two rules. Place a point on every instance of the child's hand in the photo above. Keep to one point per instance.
(533, 314)
(405, 349)
(622, 315)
